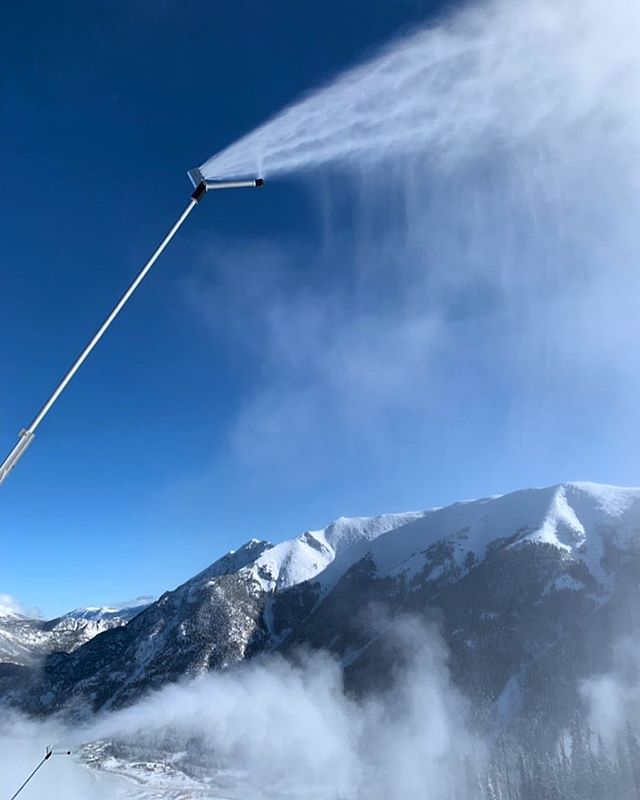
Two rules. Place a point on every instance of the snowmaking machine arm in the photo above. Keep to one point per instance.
(201, 186)
(205, 185)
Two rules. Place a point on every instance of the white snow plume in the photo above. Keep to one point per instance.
(276, 729)
(498, 72)
(475, 270)
(613, 699)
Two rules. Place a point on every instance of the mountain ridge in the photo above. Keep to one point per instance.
(507, 577)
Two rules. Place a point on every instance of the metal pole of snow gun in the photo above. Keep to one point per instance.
(48, 753)
(201, 187)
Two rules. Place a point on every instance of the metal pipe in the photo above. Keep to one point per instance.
(198, 179)
(47, 755)
(201, 188)
(240, 184)
(16, 454)
(114, 313)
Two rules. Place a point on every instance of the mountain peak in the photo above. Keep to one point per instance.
(118, 611)
(544, 554)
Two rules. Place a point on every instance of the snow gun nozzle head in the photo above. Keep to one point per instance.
(203, 185)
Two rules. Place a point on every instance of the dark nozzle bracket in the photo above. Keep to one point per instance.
(203, 185)
(199, 192)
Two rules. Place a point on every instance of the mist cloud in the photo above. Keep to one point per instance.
(279, 728)
(290, 727)
(22, 746)
(613, 699)
(12, 607)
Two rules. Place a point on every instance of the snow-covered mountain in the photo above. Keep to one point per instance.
(520, 584)
(219, 617)
(580, 521)
(120, 612)
(302, 559)
(25, 640)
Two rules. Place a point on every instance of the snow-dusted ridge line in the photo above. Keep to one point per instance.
(564, 515)
(566, 546)
(124, 611)
(575, 518)
(572, 517)
(580, 520)
(25, 640)
(304, 558)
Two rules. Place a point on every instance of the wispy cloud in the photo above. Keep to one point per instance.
(11, 607)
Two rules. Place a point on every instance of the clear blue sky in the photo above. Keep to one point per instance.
(139, 477)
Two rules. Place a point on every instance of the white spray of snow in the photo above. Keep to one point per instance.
(286, 729)
(478, 184)
(271, 729)
(499, 72)
(613, 698)
(22, 746)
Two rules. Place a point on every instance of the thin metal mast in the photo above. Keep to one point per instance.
(201, 187)
(48, 753)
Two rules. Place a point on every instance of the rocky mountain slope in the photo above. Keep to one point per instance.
(523, 586)
(219, 617)
(24, 640)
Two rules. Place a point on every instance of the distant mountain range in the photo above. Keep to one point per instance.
(530, 592)
(24, 640)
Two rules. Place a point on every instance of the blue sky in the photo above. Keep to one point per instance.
(213, 410)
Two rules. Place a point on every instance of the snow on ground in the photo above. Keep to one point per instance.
(171, 777)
